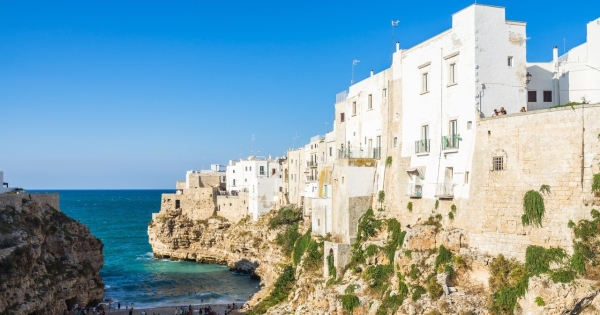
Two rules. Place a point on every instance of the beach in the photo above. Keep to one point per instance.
(219, 309)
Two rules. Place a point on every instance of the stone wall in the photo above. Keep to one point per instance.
(341, 256)
(233, 208)
(556, 147)
(16, 200)
(197, 204)
(204, 180)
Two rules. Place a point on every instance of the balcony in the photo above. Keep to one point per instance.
(444, 191)
(310, 178)
(377, 153)
(422, 146)
(414, 190)
(312, 164)
(450, 142)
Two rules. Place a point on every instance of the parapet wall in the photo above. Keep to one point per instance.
(556, 147)
(16, 200)
(233, 208)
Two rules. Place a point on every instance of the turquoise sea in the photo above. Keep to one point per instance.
(120, 219)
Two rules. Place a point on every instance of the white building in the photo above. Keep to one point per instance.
(259, 177)
(568, 78)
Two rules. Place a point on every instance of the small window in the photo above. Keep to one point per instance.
(498, 163)
(384, 93)
(424, 82)
(342, 179)
(246, 168)
(452, 74)
(233, 171)
(469, 125)
(342, 117)
(395, 142)
(177, 204)
(262, 170)
(466, 177)
(330, 151)
(370, 101)
(531, 96)
(510, 61)
(353, 108)
(547, 96)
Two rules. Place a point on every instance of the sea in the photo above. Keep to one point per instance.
(131, 274)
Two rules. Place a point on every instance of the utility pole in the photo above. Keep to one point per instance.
(354, 63)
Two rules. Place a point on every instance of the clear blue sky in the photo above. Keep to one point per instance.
(131, 94)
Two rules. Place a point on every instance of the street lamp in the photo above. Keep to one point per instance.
(528, 76)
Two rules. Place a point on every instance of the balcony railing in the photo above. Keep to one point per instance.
(450, 142)
(444, 191)
(377, 153)
(414, 190)
(310, 178)
(423, 146)
(312, 164)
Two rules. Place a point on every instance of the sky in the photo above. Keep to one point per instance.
(132, 94)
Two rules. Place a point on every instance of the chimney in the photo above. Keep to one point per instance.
(397, 46)
(555, 55)
(371, 72)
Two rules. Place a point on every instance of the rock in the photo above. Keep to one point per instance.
(48, 261)
(559, 298)
(420, 237)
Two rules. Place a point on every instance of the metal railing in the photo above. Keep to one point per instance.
(312, 164)
(423, 146)
(444, 190)
(342, 96)
(353, 153)
(310, 178)
(414, 190)
(450, 142)
(377, 153)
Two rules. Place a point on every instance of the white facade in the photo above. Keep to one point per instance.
(448, 82)
(297, 178)
(261, 178)
(572, 77)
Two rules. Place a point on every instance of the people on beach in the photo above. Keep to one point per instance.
(119, 305)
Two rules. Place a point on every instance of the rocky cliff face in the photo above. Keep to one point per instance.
(427, 269)
(48, 261)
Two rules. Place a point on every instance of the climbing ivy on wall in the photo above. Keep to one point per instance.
(596, 182)
(533, 206)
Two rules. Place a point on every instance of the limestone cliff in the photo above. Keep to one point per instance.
(48, 261)
(428, 268)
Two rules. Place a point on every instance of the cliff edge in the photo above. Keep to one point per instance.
(48, 261)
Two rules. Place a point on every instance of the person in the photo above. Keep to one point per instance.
(119, 305)
(502, 111)
(495, 113)
(523, 110)
(130, 311)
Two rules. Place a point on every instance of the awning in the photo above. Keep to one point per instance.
(419, 170)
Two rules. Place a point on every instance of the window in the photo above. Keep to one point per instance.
(469, 125)
(395, 142)
(510, 61)
(547, 96)
(424, 82)
(370, 103)
(246, 168)
(234, 182)
(425, 132)
(453, 128)
(262, 170)
(531, 96)
(341, 117)
(452, 74)
(177, 204)
(498, 163)
(466, 177)
(330, 151)
(353, 108)
(384, 93)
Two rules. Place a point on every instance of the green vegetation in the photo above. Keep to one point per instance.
(350, 302)
(444, 256)
(285, 216)
(433, 288)
(545, 189)
(539, 301)
(437, 204)
(331, 267)
(453, 208)
(585, 259)
(288, 238)
(409, 206)
(451, 215)
(395, 239)
(381, 197)
(388, 161)
(596, 183)
(533, 206)
(301, 246)
(281, 290)
(378, 276)
(417, 292)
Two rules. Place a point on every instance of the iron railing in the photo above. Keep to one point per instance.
(423, 146)
(377, 153)
(450, 142)
(414, 190)
(444, 190)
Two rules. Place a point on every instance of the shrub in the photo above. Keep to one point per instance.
(409, 206)
(371, 250)
(417, 292)
(451, 215)
(301, 246)
(437, 204)
(287, 239)
(378, 276)
(539, 301)
(433, 288)
(331, 267)
(533, 206)
(350, 302)
(282, 288)
(285, 216)
(444, 256)
(388, 161)
(596, 182)
(453, 208)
